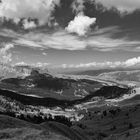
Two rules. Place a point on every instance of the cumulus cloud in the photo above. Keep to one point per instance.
(81, 24)
(92, 64)
(38, 64)
(41, 65)
(5, 55)
(128, 63)
(34, 9)
(29, 24)
(132, 61)
(44, 53)
(106, 64)
(21, 64)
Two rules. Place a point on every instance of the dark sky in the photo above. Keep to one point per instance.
(70, 33)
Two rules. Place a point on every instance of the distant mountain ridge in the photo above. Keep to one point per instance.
(101, 71)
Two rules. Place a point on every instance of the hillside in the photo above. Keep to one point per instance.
(107, 110)
(47, 85)
(15, 129)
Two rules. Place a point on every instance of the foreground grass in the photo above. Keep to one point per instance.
(29, 134)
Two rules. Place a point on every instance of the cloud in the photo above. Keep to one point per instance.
(92, 64)
(100, 40)
(41, 65)
(59, 40)
(80, 25)
(38, 64)
(128, 63)
(21, 64)
(78, 6)
(5, 55)
(34, 9)
(122, 5)
(27, 43)
(132, 61)
(29, 24)
(44, 53)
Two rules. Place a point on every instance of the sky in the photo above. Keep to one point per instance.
(70, 34)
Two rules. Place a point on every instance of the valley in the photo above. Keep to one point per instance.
(103, 109)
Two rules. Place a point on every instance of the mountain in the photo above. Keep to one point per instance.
(126, 76)
(48, 85)
(132, 75)
(101, 71)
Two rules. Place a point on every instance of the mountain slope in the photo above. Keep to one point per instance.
(47, 85)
